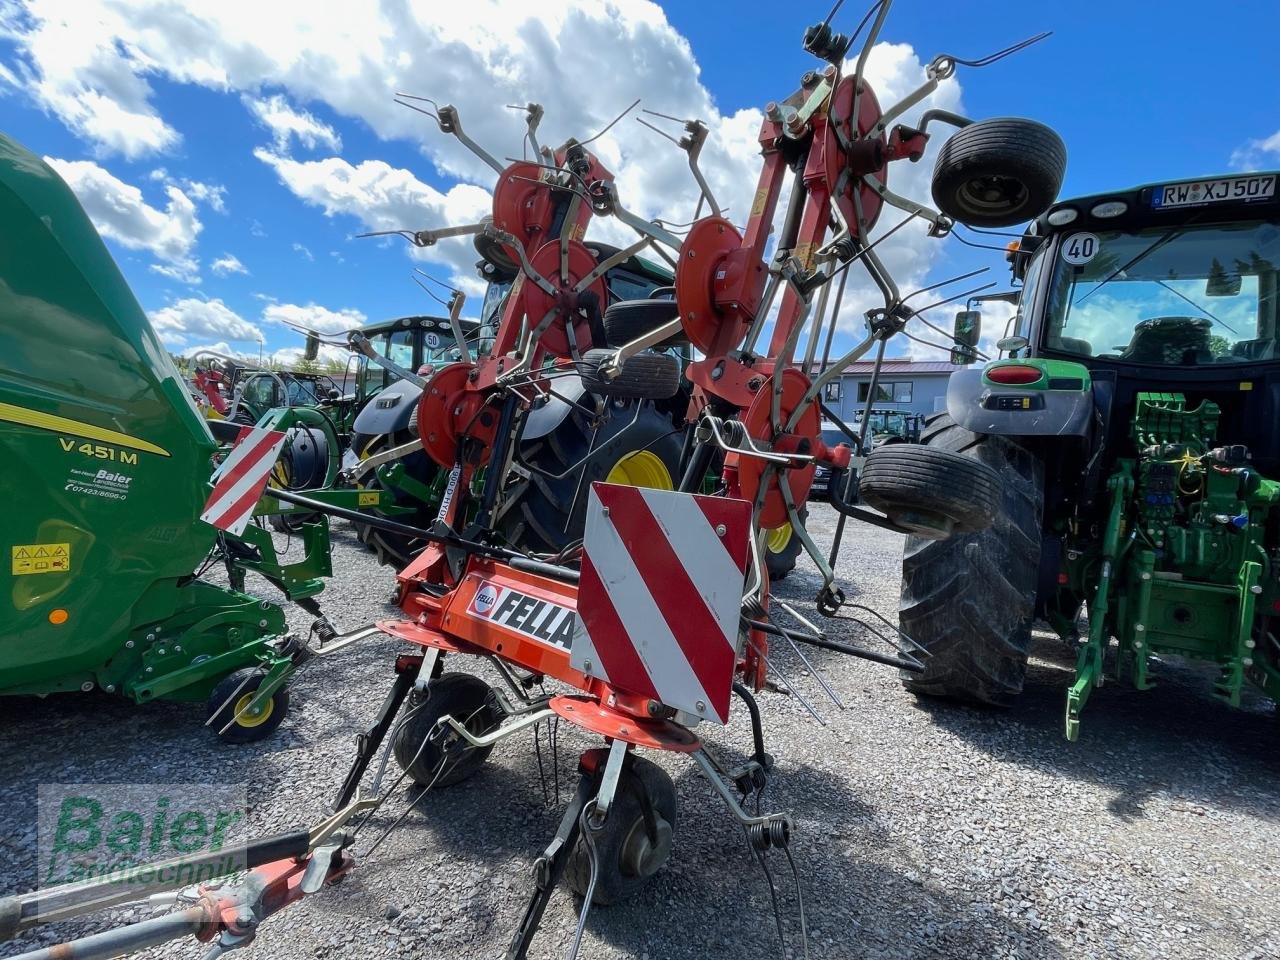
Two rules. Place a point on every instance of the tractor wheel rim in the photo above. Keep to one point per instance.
(641, 469)
(252, 718)
(777, 540)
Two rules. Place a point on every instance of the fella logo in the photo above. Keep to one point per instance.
(540, 619)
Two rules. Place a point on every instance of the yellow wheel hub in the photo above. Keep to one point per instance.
(641, 469)
(776, 541)
(252, 718)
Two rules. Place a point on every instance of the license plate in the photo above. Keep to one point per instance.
(1200, 192)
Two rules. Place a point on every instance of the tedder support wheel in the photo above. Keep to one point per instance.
(645, 376)
(969, 599)
(627, 853)
(782, 548)
(999, 172)
(928, 491)
(626, 320)
(547, 511)
(421, 748)
(230, 701)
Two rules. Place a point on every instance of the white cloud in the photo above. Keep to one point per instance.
(120, 213)
(189, 318)
(228, 264)
(284, 122)
(1257, 153)
(312, 316)
(301, 249)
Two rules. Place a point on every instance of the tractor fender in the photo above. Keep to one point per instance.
(974, 405)
(544, 419)
(389, 411)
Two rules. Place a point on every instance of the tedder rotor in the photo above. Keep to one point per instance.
(661, 615)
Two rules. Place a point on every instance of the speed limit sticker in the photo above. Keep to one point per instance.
(1080, 248)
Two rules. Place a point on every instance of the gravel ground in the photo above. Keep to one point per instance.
(922, 830)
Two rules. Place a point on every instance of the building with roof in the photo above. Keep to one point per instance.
(909, 386)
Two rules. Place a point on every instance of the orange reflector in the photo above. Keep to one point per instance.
(58, 617)
(1014, 374)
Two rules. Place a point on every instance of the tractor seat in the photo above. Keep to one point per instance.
(1075, 345)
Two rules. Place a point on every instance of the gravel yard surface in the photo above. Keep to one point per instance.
(922, 830)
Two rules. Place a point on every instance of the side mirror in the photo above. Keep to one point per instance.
(312, 349)
(967, 333)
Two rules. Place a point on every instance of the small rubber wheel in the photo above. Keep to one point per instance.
(645, 376)
(931, 493)
(999, 172)
(420, 748)
(626, 854)
(782, 549)
(626, 320)
(231, 699)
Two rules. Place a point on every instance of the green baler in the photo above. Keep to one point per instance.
(106, 469)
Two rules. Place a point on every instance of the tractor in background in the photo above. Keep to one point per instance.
(1133, 422)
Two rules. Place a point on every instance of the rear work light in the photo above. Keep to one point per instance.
(1015, 374)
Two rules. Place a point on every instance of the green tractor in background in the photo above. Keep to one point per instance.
(1133, 423)
(107, 469)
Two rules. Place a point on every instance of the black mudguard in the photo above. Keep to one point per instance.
(389, 411)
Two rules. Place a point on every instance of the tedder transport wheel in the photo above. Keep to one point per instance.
(782, 548)
(931, 492)
(999, 172)
(547, 511)
(626, 854)
(231, 699)
(969, 599)
(395, 549)
(421, 748)
(645, 376)
(626, 320)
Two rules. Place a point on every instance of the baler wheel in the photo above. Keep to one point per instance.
(627, 855)
(231, 699)
(999, 172)
(421, 748)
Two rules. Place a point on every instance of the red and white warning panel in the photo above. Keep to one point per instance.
(241, 477)
(660, 595)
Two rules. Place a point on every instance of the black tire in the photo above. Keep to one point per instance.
(625, 854)
(645, 376)
(999, 172)
(470, 701)
(928, 491)
(229, 699)
(782, 561)
(301, 467)
(543, 513)
(626, 320)
(396, 549)
(969, 600)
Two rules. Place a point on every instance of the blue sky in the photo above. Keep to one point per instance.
(229, 153)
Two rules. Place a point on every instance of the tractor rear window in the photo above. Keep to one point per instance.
(1182, 296)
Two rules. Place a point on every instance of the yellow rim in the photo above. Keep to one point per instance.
(250, 719)
(777, 540)
(641, 469)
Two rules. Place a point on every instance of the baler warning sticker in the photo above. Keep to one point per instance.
(41, 558)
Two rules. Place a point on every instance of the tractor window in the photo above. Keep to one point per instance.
(372, 376)
(1185, 296)
(494, 295)
(630, 286)
(400, 348)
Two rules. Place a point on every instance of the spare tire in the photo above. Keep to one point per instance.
(999, 172)
(931, 493)
(645, 376)
(626, 320)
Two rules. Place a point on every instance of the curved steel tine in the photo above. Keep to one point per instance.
(943, 283)
(1000, 54)
(635, 104)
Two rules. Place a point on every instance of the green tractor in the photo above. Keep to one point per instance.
(1133, 422)
(107, 469)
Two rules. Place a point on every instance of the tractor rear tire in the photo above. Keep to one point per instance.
(396, 549)
(626, 320)
(928, 491)
(645, 376)
(969, 600)
(999, 172)
(626, 854)
(547, 511)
